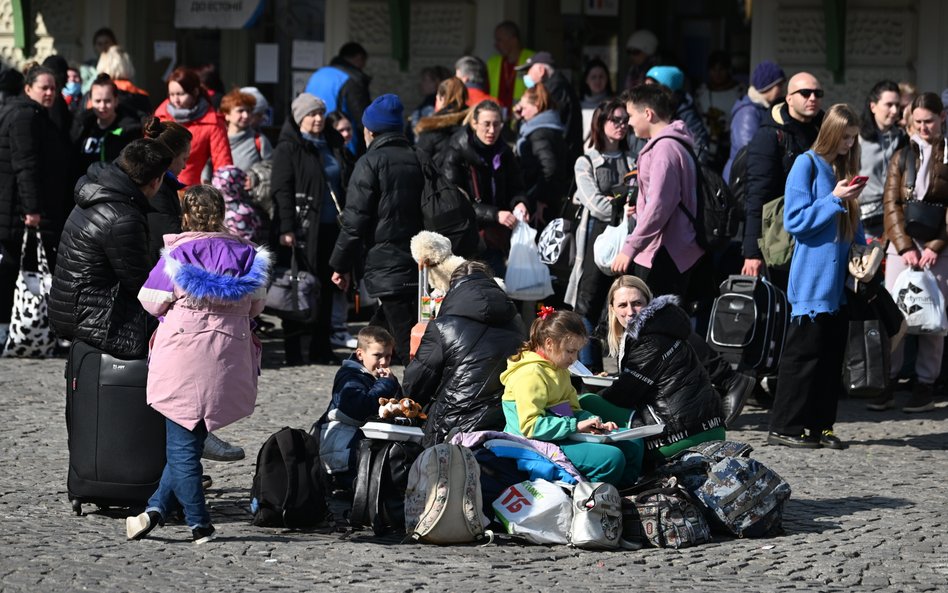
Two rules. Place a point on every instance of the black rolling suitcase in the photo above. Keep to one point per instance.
(116, 441)
(749, 323)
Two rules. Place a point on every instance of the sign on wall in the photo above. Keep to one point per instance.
(217, 14)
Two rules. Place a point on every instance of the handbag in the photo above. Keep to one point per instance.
(924, 221)
(293, 294)
(663, 516)
(864, 260)
(29, 334)
(597, 516)
(866, 367)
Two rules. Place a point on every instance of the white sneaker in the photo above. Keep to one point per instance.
(343, 340)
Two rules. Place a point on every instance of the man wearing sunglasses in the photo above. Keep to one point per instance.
(786, 132)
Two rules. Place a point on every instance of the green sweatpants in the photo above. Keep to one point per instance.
(619, 464)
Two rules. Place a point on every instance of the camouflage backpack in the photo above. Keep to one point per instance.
(744, 497)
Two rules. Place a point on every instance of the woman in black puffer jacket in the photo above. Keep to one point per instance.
(544, 155)
(456, 372)
(479, 162)
(661, 377)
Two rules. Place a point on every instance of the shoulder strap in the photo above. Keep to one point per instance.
(699, 181)
(258, 143)
(377, 513)
(291, 448)
(360, 497)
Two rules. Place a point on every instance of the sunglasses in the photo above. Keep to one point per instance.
(805, 93)
(619, 121)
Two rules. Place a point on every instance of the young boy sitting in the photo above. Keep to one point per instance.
(363, 378)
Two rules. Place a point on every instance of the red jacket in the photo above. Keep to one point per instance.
(209, 142)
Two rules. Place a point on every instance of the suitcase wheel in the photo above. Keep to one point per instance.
(76, 507)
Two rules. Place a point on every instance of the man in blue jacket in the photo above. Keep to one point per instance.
(344, 87)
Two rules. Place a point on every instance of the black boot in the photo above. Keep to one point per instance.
(735, 390)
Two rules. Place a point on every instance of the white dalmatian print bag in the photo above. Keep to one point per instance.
(30, 335)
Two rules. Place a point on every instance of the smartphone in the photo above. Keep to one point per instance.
(858, 180)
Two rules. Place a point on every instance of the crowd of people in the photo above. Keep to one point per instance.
(115, 184)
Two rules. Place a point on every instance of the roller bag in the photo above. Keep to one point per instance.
(749, 323)
(116, 441)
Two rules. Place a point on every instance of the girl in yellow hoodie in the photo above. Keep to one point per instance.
(541, 403)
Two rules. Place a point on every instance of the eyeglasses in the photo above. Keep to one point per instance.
(805, 93)
(619, 121)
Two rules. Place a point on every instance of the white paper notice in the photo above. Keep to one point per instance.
(267, 63)
(167, 50)
(300, 79)
(308, 55)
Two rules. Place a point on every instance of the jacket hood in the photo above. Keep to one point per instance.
(527, 357)
(676, 129)
(663, 315)
(106, 182)
(440, 121)
(217, 266)
(389, 138)
(779, 115)
(479, 298)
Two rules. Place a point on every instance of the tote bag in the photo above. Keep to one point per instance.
(30, 335)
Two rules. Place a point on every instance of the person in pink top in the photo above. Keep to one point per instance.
(206, 288)
(663, 247)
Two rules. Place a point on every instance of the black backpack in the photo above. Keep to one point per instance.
(718, 216)
(447, 209)
(287, 491)
(378, 493)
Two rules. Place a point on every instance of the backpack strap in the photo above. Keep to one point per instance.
(291, 449)
(358, 516)
(377, 512)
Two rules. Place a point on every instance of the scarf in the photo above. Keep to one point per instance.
(924, 168)
(490, 155)
(183, 116)
(548, 119)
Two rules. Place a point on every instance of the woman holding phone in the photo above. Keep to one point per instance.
(821, 212)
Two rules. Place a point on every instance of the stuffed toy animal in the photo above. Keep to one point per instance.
(391, 408)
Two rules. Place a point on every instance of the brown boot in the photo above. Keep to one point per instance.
(885, 401)
(921, 400)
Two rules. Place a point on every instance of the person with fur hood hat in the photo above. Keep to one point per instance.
(433, 132)
(661, 377)
(456, 372)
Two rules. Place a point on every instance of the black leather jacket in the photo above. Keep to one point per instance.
(662, 378)
(456, 371)
(103, 263)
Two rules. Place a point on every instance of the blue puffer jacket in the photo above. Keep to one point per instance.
(745, 119)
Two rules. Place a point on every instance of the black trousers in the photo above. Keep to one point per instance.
(663, 277)
(398, 314)
(809, 379)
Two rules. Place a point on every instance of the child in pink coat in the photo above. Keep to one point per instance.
(206, 288)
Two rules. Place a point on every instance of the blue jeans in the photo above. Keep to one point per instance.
(181, 479)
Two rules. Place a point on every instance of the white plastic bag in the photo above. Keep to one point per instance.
(527, 279)
(539, 511)
(608, 245)
(917, 294)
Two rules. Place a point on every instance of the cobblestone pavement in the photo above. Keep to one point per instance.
(870, 518)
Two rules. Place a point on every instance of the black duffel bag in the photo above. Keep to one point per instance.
(293, 293)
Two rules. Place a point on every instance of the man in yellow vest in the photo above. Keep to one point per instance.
(504, 82)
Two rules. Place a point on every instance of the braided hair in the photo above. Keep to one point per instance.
(202, 209)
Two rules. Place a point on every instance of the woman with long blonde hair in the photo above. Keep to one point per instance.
(821, 212)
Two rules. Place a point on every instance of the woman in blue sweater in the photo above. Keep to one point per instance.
(821, 211)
